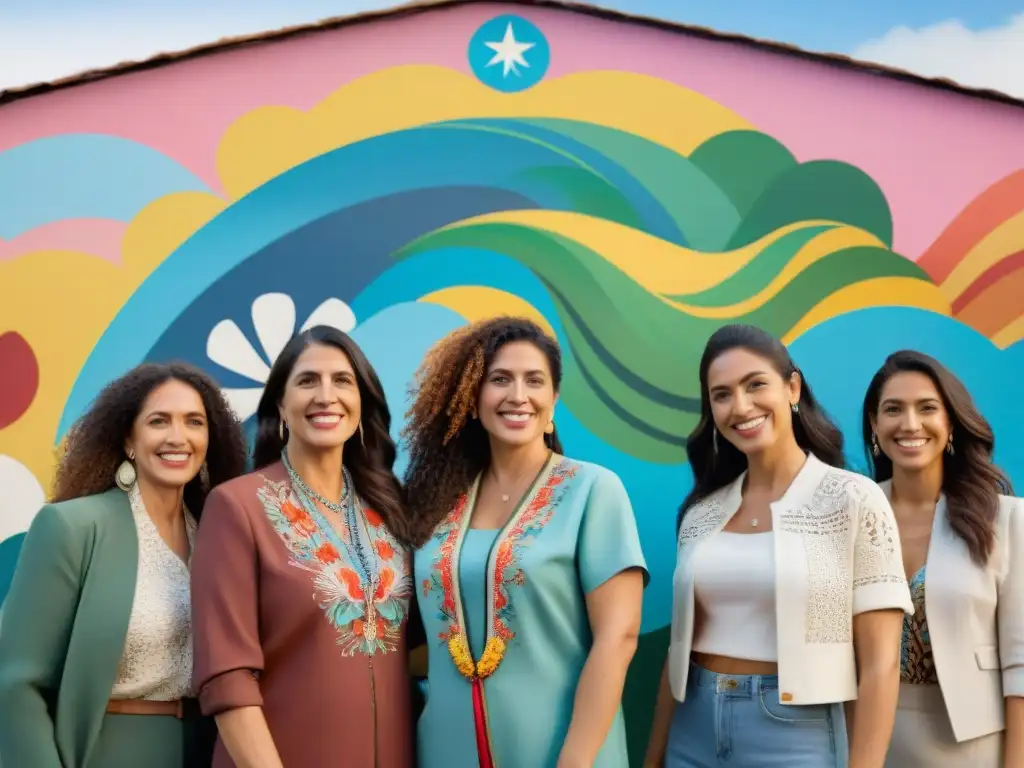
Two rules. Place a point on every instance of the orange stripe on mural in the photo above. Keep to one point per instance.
(1005, 266)
(997, 306)
(983, 214)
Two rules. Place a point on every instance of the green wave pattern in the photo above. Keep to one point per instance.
(631, 353)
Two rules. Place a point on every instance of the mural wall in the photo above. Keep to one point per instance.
(632, 189)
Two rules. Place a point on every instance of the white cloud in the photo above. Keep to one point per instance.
(39, 48)
(985, 58)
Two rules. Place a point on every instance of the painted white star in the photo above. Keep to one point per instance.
(509, 52)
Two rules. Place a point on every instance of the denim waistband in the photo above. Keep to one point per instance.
(734, 685)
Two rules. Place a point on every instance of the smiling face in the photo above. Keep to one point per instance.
(169, 436)
(750, 402)
(321, 406)
(517, 398)
(912, 424)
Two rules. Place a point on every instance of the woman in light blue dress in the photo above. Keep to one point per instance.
(529, 571)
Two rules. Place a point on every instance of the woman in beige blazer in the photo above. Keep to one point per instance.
(962, 538)
(788, 594)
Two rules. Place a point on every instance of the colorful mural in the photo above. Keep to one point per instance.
(627, 209)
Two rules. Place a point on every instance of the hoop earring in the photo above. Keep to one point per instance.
(874, 445)
(125, 476)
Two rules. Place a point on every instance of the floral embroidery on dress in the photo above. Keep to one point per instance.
(917, 665)
(504, 570)
(368, 621)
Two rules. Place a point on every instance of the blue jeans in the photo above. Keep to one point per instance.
(737, 721)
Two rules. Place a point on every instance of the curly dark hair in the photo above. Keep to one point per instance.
(371, 460)
(447, 448)
(94, 446)
(971, 481)
(813, 429)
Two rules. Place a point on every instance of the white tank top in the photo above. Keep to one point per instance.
(734, 588)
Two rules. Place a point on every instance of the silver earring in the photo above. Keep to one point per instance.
(714, 440)
(874, 444)
(362, 441)
(795, 407)
(280, 429)
(125, 476)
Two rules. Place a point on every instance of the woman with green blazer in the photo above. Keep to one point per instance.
(95, 639)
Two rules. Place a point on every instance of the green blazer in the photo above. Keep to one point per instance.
(64, 625)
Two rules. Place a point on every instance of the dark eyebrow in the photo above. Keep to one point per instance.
(922, 401)
(166, 415)
(534, 372)
(744, 380)
(310, 372)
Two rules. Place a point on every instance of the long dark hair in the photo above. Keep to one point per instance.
(971, 482)
(94, 446)
(448, 448)
(369, 460)
(814, 431)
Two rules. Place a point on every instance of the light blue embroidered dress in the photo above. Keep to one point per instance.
(525, 584)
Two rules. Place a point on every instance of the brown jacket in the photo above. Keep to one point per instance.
(284, 618)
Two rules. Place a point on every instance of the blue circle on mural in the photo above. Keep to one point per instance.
(509, 54)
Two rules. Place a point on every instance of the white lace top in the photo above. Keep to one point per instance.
(157, 659)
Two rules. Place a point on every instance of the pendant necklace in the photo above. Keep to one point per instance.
(506, 496)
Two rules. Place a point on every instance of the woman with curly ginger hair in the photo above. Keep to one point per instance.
(96, 647)
(961, 694)
(530, 565)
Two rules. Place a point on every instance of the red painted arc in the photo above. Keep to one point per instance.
(983, 214)
(998, 271)
(20, 382)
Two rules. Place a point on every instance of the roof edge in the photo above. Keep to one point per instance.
(416, 7)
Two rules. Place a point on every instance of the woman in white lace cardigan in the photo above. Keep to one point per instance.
(96, 641)
(789, 590)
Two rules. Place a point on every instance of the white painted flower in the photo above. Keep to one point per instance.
(273, 317)
(23, 497)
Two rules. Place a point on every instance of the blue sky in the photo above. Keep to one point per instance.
(979, 43)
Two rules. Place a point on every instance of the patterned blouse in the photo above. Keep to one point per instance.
(916, 662)
(157, 659)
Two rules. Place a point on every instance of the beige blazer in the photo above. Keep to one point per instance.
(976, 620)
(837, 554)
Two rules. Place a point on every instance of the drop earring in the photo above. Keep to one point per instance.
(362, 440)
(714, 440)
(875, 450)
(949, 445)
(280, 429)
(126, 476)
(550, 428)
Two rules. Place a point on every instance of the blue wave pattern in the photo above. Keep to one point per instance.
(81, 176)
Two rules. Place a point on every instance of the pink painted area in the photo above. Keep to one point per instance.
(931, 151)
(98, 237)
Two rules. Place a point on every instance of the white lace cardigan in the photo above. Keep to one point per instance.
(837, 554)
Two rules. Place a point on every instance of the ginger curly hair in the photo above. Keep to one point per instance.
(94, 446)
(448, 448)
